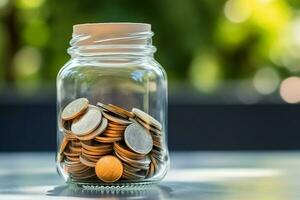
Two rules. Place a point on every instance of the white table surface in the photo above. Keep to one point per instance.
(193, 175)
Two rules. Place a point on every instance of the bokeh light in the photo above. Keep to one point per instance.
(29, 4)
(290, 90)
(27, 62)
(205, 72)
(237, 10)
(266, 80)
(3, 3)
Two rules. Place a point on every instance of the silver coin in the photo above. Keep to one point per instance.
(138, 139)
(88, 122)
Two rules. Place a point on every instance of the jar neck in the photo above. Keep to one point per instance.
(134, 44)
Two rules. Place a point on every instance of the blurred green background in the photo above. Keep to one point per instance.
(248, 47)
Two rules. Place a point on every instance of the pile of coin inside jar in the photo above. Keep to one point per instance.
(108, 143)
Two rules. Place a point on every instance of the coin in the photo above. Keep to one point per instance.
(84, 175)
(96, 132)
(109, 143)
(123, 149)
(96, 153)
(115, 119)
(69, 153)
(87, 122)
(92, 145)
(63, 145)
(86, 162)
(78, 167)
(75, 149)
(108, 139)
(114, 125)
(70, 136)
(150, 171)
(121, 110)
(75, 108)
(112, 110)
(147, 118)
(130, 168)
(118, 128)
(148, 127)
(140, 164)
(133, 175)
(138, 139)
(72, 158)
(109, 169)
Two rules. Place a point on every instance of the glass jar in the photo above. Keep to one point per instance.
(112, 108)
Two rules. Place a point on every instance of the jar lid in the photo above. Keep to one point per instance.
(109, 34)
(101, 29)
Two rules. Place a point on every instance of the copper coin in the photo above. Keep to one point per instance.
(75, 108)
(109, 169)
(112, 110)
(148, 127)
(108, 139)
(86, 162)
(122, 148)
(116, 119)
(63, 145)
(121, 110)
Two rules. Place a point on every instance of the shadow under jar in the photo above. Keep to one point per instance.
(112, 108)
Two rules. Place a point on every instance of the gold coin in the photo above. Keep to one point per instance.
(147, 118)
(109, 169)
(87, 123)
(75, 108)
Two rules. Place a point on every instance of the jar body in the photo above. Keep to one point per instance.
(124, 81)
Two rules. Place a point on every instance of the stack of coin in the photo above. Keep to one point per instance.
(108, 143)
